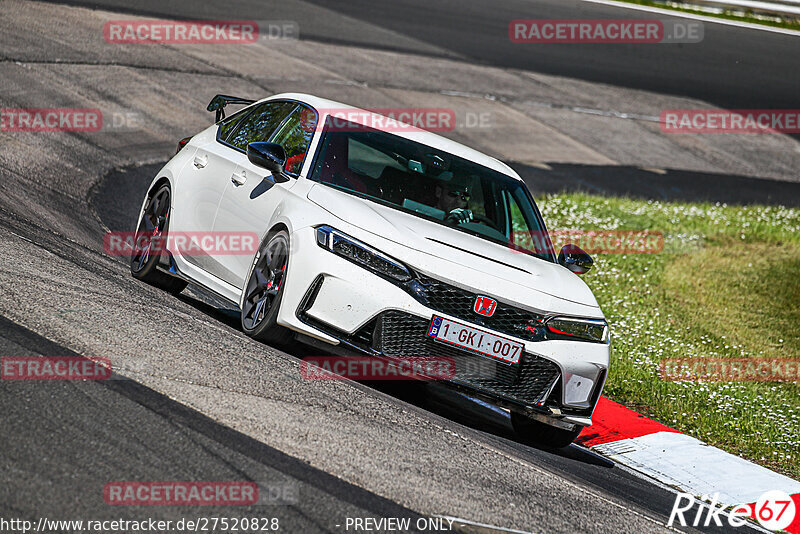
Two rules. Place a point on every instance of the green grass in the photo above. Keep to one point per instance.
(749, 293)
(788, 23)
(726, 285)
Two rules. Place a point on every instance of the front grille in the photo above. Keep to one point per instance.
(405, 335)
(459, 303)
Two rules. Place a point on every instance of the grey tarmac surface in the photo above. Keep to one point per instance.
(234, 405)
(730, 67)
(180, 348)
(63, 441)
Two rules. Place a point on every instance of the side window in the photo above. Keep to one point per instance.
(259, 125)
(295, 135)
(525, 233)
(519, 225)
(229, 124)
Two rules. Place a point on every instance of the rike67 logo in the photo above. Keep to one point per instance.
(774, 510)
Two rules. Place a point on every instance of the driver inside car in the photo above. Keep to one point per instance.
(452, 197)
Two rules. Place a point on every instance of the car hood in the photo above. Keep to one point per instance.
(453, 245)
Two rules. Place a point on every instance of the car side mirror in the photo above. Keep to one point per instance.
(270, 156)
(575, 259)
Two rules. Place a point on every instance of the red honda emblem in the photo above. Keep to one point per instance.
(485, 306)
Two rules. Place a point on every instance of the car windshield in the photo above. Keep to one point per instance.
(432, 184)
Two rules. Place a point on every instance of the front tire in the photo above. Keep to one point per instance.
(541, 434)
(149, 243)
(264, 290)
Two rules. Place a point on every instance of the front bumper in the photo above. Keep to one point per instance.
(333, 300)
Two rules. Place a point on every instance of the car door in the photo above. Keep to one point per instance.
(201, 185)
(253, 196)
(211, 171)
(203, 181)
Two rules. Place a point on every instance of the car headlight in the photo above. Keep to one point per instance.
(361, 253)
(584, 329)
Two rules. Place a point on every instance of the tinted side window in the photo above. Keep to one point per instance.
(260, 124)
(228, 124)
(295, 136)
(522, 221)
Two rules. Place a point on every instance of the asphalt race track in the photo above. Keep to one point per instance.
(124, 413)
(192, 398)
(733, 69)
(457, 413)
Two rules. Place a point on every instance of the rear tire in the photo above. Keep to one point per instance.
(542, 434)
(264, 290)
(152, 230)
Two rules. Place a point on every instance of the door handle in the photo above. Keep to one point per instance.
(200, 161)
(239, 179)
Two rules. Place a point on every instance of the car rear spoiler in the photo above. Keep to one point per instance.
(219, 102)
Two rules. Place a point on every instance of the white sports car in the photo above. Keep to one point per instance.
(386, 244)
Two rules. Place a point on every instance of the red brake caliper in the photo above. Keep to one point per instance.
(283, 270)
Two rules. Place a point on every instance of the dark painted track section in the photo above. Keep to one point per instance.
(66, 439)
(665, 185)
(731, 68)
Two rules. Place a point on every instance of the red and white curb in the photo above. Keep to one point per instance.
(681, 461)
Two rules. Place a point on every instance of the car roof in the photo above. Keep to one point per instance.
(324, 107)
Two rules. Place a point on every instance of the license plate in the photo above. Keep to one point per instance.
(467, 337)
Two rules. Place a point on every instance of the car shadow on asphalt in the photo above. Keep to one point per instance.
(478, 415)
